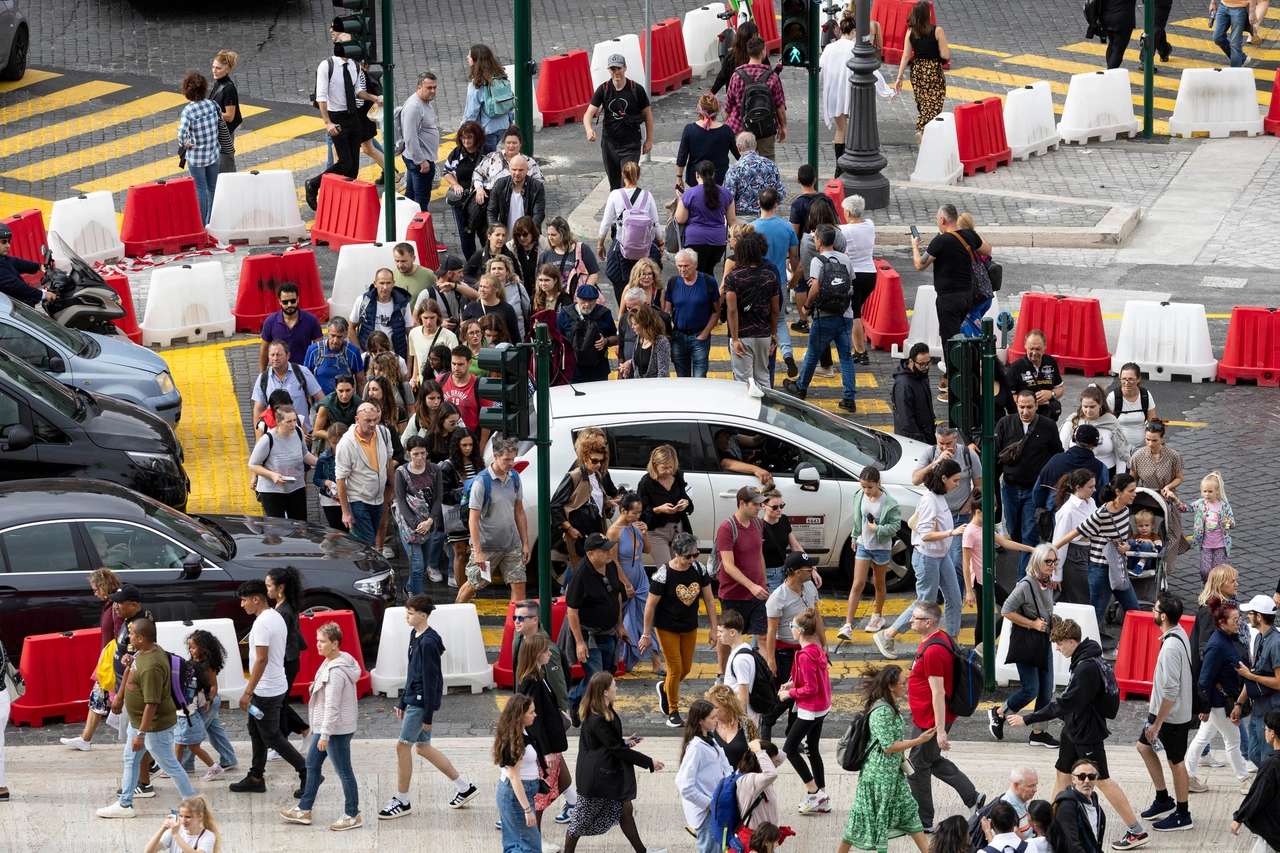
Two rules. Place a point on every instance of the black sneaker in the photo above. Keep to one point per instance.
(141, 792)
(394, 809)
(461, 798)
(1131, 840)
(801, 326)
(863, 358)
(792, 370)
(249, 785)
(663, 705)
(995, 722)
(850, 406)
(313, 193)
(573, 715)
(154, 767)
(302, 786)
(790, 386)
(674, 721)
(1044, 739)
(1159, 807)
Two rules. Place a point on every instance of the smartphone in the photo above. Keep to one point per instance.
(871, 518)
(633, 741)
(915, 232)
(289, 479)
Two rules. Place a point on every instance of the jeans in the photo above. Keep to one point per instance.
(365, 519)
(690, 355)
(1228, 32)
(1100, 593)
(706, 837)
(783, 330)
(1258, 746)
(266, 733)
(466, 239)
(932, 573)
(603, 658)
(420, 556)
(775, 577)
(1020, 521)
(517, 837)
(956, 549)
(206, 178)
(160, 745)
(1034, 682)
(418, 184)
(823, 331)
(339, 749)
(217, 739)
(928, 762)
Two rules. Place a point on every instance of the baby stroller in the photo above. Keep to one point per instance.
(1145, 566)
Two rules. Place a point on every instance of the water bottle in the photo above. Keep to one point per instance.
(256, 712)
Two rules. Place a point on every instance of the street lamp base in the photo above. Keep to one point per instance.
(873, 187)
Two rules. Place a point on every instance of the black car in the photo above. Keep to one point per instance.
(52, 430)
(54, 532)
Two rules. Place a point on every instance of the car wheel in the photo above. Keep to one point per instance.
(320, 602)
(901, 577)
(17, 66)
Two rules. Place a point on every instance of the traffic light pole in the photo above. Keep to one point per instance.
(988, 454)
(542, 352)
(523, 19)
(388, 125)
(1148, 67)
(814, 25)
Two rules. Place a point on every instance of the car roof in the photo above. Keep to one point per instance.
(42, 500)
(696, 397)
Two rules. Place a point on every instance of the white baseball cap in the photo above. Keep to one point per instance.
(1260, 604)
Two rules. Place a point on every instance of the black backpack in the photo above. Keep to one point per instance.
(967, 676)
(758, 110)
(297, 374)
(855, 744)
(835, 287)
(1117, 402)
(582, 337)
(763, 696)
(978, 838)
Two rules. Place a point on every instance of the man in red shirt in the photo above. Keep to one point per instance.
(740, 543)
(928, 686)
(460, 389)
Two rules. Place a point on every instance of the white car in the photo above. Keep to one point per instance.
(815, 457)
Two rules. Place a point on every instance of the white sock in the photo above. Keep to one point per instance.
(571, 795)
(461, 785)
(403, 797)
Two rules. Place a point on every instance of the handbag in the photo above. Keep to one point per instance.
(1012, 454)
(982, 285)
(1027, 645)
(456, 197)
(995, 272)
(11, 679)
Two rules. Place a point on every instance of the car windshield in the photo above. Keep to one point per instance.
(860, 446)
(69, 338)
(41, 386)
(187, 529)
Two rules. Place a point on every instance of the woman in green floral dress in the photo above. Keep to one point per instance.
(883, 807)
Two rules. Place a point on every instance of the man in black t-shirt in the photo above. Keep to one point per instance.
(1038, 372)
(593, 600)
(625, 106)
(951, 254)
(807, 178)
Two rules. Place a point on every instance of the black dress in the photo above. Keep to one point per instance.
(606, 775)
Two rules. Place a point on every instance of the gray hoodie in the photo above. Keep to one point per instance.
(333, 696)
(1172, 678)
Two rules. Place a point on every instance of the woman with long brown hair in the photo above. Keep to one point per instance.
(426, 404)
(515, 750)
(103, 582)
(548, 727)
(387, 365)
(1113, 447)
(548, 289)
(1159, 467)
(925, 49)
(652, 355)
(487, 79)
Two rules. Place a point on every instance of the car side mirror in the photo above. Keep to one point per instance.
(55, 364)
(192, 566)
(20, 438)
(807, 477)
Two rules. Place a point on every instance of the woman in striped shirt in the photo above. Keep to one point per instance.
(1109, 524)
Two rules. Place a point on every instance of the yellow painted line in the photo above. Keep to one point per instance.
(12, 203)
(31, 77)
(1179, 62)
(865, 406)
(59, 100)
(167, 166)
(1191, 424)
(1066, 66)
(974, 95)
(100, 120)
(1004, 79)
(864, 379)
(981, 50)
(831, 607)
(1266, 54)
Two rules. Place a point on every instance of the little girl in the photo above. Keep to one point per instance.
(971, 562)
(207, 658)
(1144, 546)
(1213, 519)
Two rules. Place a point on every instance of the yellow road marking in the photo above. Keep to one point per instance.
(828, 606)
(59, 100)
(1066, 66)
(31, 77)
(1192, 424)
(1095, 49)
(865, 406)
(1209, 46)
(864, 379)
(51, 133)
(981, 50)
(1005, 79)
(974, 95)
(12, 203)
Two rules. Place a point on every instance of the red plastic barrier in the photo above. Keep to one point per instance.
(57, 668)
(980, 132)
(129, 322)
(884, 314)
(564, 88)
(1271, 124)
(504, 669)
(766, 19)
(1253, 346)
(346, 213)
(1073, 332)
(670, 69)
(261, 275)
(29, 239)
(162, 217)
(310, 659)
(1139, 647)
(422, 234)
(834, 190)
(892, 15)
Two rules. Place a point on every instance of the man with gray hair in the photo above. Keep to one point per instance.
(751, 175)
(362, 463)
(632, 298)
(692, 300)
(830, 304)
(1024, 781)
(418, 140)
(951, 254)
(497, 523)
(334, 355)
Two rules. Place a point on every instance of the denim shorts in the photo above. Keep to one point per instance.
(878, 557)
(411, 727)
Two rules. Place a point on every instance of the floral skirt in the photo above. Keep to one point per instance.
(594, 816)
(541, 802)
(929, 87)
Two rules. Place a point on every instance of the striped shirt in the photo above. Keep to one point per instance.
(198, 127)
(1102, 527)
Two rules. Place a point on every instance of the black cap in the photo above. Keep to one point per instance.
(599, 542)
(128, 592)
(798, 560)
(1087, 435)
(449, 263)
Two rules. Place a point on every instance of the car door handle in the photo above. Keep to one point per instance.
(728, 494)
(8, 590)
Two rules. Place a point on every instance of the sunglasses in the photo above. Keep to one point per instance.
(518, 618)
(1086, 777)
(693, 555)
(596, 460)
(777, 506)
(288, 302)
(1051, 562)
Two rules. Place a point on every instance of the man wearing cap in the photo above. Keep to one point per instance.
(796, 595)
(1079, 455)
(590, 330)
(593, 600)
(625, 106)
(743, 586)
(449, 291)
(13, 269)
(1261, 681)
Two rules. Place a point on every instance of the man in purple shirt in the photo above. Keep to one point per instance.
(300, 328)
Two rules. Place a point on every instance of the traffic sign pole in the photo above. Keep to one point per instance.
(524, 72)
(813, 83)
(1148, 67)
(988, 603)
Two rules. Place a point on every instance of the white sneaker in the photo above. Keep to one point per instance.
(885, 645)
(1215, 760)
(346, 822)
(452, 581)
(1250, 767)
(434, 575)
(1245, 784)
(550, 847)
(1196, 785)
(845, 632)
(811, 804)
(77, 743)
(115, 810)
(272, 755)
(213, 773)
(388, 552)
(874, 624)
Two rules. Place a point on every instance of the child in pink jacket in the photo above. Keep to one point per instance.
(810, 686)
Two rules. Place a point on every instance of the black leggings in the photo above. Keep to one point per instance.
(285, 505)
(627, 823)
(708, 257)
(291, 723)
(809, 731)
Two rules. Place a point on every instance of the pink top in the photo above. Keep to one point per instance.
(972, 538)
(1213, 537)
(811, 683)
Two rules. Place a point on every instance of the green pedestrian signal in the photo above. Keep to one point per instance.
(508, 391)
(799, 33)
(964, 391)
(358, 29)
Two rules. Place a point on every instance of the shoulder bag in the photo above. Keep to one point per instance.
(1027, 645)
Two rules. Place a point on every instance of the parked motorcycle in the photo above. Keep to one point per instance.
(82, 298)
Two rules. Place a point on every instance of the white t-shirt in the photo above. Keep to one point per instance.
(202, 841)
(269, 630)
(859, 243)
(515, 210)
(742, 670)
(382, 316)
(420, 343)
(1133, 420)
(866, 538)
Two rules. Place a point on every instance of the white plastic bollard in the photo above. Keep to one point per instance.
(388, 676)
(1217, 101)
(188, 301)
(87, 224)
(1029, 123)
(1083, 615)
(702, 38)
(172, 637)
(537, 113)
(1099, 105)
(465, 663)
(406, 209)
(1166, 339)
(257, 208)
(939, 159)
(924, 323)
(629, 47)
(357, 265)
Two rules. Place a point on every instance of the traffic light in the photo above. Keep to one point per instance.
(509, 390)
(964, 388)
(360, 25)
(799, 37)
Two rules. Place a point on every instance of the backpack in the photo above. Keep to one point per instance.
(1117, 401)
(637, 226)
(271, 442)
(499, 98)
(725, 819)
(835, 287)
(855, 744)
(713, 564)
(183, 682)
(763, 696)
(486, 478)
(583, 335)
(967, 676)
(1045, 522)
(297, 373)
(1109, 702)
(978, 838)
(398, 123)
(329, 62)
(757, 108)
(1022, 846)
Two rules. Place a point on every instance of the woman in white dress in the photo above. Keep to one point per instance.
(834, 76)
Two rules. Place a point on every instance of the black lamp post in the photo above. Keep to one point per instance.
(862, 162)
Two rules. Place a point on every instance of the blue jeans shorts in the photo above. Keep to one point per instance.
(411, 727)
(878, 557)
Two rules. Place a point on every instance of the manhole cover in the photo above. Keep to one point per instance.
(1223, 282)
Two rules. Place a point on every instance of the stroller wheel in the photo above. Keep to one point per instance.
(1114, 615)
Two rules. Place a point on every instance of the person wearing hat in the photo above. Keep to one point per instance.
(796, 595)
(625, 106)
(590, 330)
(1261, 683)
(1079, 455)
(127, 604)
(593, 611)
(13, 269)
(449, 292)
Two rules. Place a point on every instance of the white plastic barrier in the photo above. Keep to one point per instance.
(1082, 614)
(357, 264)
(1217, 101)
(88, 225)
(537, 113)
(406, 209)
(465, 663)
(256, 208)
(1166, 339)
(388, 676)
(702, 38)
(629, 47)
(1099, 104)
(172, 637)
(1029, 122)
(924, 321)
(187, 301)
(939, 159)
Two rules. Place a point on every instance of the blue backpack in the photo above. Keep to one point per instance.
(486, 478)
(725, 819)
(184, 683)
